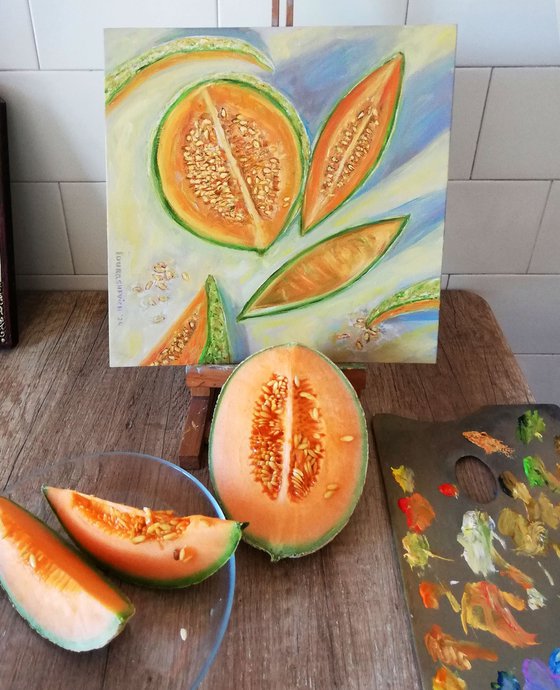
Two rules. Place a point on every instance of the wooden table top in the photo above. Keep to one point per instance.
(335, 619)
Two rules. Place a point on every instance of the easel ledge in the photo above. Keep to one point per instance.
(204, 383)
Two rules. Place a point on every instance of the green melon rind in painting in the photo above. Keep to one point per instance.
(217, 349)
(420, 292)
(281, 103)
(73, 645)
(275, 551)
(390, 127)
(177, 583)
(280, 309)
(118, 79)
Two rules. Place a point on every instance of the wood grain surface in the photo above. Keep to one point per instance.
(335, 619)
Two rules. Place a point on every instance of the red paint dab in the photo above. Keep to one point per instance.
(449, 490)
(418, 510)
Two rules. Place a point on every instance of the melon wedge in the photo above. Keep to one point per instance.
(324, 269)
(61, 597)
(131, 74)
(418, 297)
(198, 336)
(149, 547)
(351, 143)
(229, 160)
(288, 449)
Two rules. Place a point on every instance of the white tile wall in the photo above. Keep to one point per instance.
(56, 125)
(490, 227)
(543, 371)
(469, 97)
(526, 306)
(505, 144)
(16, 36)
(348, 12)
(546, 257)
(70, 32)
(520, 137)
(86, 219)
(496, 32)
(246, 13)
(40, 239)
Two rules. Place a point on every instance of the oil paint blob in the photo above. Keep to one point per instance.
(488, 443)
(418, 511)
(458, 653)
(404, 478)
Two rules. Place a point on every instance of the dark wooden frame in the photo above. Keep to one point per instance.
(8, 321)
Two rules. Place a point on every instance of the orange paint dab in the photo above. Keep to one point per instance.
(418, 510)
(447, 680)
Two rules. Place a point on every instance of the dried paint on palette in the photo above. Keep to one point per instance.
(505, 681)
(404, 477)
(418, 511)
(445, 679)
(530, 426)
(432, 592)
(449, 490)
(488, 443)
(417, 551)
(457, 653)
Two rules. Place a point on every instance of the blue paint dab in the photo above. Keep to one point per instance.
(506, 681)
(554, 661)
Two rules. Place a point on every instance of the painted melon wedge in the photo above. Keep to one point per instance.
(288, 449)
(132, 73)
(352, 141)
(418, 297)
(229, 161)
(61, 597)
(324, 269)
(198, 336)
(150, 547)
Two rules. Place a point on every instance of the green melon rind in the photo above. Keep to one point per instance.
(246, 311)
(177, 583)
(217, 349)
(275, 551)
(390, 128)
(116, 80)
(424, 290)
(120, 618)
(280, 102)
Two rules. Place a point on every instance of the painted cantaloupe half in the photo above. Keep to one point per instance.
(288, 449)
(324, 269)
(131, 74)
(352, 141)
(420, 296)
(198, 336)
(61, 597)
(229, 161)
(155, 548)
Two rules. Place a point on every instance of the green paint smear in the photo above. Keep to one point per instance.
(529, 426)
(538, 475)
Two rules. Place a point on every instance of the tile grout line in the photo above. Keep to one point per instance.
(66, 228)
(35, 42)
(218, 17)
(481, 122)
(406, 11)
(539, 228)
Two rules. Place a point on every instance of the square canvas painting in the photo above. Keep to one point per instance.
(276, 185)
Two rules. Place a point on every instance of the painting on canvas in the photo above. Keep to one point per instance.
(276, 185)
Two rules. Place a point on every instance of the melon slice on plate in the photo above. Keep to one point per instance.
(61, 597)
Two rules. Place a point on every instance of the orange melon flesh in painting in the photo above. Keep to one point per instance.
(288, 449)
(352, 141)
(228, 162)
(136, 543)
(53, 588)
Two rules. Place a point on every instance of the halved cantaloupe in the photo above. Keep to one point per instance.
(198, 336)
(61, 597)
(229, 161)
(352, 141)
(149, 547)
(288, 449)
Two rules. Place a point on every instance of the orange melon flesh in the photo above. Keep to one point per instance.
(288, 449)
(50, 585)
(228, 163)
(352, 141)
(155, 548)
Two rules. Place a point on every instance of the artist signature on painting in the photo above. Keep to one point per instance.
(119, 288)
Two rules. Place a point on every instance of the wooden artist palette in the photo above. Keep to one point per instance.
(510, 579)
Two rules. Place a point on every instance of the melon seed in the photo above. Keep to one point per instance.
(346, 439)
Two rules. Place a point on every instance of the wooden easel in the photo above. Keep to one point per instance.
(204, 383)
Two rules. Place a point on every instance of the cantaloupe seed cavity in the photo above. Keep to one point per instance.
(231, 167)
(149, 525)
(278, 429)
(178, 342)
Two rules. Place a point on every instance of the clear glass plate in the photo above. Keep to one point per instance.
(150, 652)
